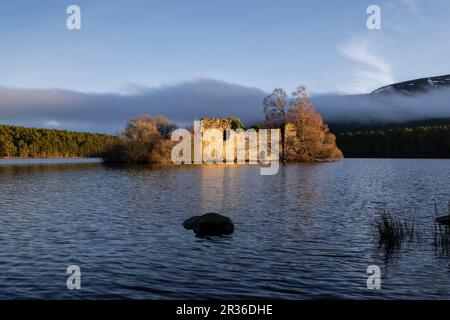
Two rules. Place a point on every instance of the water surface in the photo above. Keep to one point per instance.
(305, 233)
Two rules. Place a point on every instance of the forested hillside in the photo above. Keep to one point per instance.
(425, 141)
(24, 142)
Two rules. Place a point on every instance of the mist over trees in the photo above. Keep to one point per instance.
(146, 139)
(21, 142)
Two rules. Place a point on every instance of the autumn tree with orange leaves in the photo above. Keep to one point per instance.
(313, 140)
(146, 139)
(306, 137)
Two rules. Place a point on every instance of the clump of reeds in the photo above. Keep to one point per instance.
(441, 231)
(392, 231)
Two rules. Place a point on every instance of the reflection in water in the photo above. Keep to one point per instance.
(39, 168)
(306, 232)
(212, 188)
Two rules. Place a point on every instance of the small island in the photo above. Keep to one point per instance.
(304, 135)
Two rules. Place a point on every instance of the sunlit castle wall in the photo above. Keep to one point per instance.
(224, 124)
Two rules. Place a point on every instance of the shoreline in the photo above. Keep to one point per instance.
(30, 158)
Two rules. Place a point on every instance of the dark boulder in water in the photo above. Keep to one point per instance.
(444, 220)
(210, 224)
(190, 223)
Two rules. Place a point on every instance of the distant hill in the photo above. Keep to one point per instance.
(425, 138)
(417, 85)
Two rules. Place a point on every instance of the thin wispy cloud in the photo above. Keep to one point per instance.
(410, 4)
(372, 72)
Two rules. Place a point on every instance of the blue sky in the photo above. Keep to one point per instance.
(265, 44)
(196, 58)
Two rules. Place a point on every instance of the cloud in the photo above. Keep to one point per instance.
(181, 102)
(389, 108)
(411, 4)
(374, 73)
(186, 101)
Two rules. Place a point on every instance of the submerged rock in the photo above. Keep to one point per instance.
(210, 224)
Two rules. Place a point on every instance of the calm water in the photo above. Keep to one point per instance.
(305, 233)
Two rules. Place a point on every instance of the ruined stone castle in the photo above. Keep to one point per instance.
(222, 124)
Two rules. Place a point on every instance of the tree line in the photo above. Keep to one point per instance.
(425, 141)
(16, 141)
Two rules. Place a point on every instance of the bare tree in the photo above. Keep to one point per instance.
(276, 111)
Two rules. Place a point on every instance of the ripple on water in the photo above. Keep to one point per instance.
(305, 233)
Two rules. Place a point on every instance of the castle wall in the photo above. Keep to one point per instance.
(224, 124)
